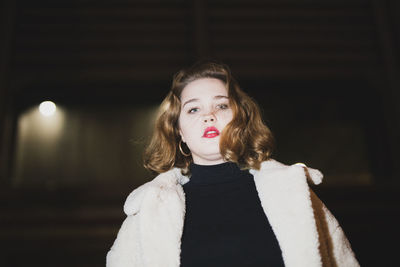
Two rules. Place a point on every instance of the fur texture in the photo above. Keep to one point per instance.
(307, 232)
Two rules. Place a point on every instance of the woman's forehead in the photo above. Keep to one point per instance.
(204, 88)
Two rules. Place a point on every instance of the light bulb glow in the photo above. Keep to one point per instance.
(47, 108)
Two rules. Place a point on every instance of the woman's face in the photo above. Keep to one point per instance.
(205, 112)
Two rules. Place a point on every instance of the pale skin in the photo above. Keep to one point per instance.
(205, 111)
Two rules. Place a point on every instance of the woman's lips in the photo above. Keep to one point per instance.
(211, 132)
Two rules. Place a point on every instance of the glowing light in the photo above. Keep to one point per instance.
(47, 108)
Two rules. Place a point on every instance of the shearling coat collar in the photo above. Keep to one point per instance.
(156, 212)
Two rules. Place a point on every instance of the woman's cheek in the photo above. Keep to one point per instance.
(227, 115)
(188, 121)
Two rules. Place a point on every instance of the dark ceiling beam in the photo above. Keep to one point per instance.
(7, 119)
(200, 38)
(390, 84)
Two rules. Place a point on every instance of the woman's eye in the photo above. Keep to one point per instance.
(223, 106)
(193, 110)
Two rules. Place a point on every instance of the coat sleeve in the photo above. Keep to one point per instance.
(334, 247)
(125, 250)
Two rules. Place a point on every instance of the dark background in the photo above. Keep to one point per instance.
(326, 74)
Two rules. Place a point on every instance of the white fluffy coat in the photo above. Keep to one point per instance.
(307, 232)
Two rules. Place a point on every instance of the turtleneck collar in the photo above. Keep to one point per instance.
(215, 174)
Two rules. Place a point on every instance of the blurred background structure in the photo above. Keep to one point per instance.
(326, 74)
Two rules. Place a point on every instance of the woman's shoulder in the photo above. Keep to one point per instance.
(276, 170)
(162, 183)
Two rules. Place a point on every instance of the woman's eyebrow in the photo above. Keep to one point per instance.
(220, 96)
(189, 101)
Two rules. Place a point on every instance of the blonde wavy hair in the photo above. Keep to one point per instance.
(246, 140)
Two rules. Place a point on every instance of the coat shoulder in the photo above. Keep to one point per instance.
(284, 171)
(161, 182)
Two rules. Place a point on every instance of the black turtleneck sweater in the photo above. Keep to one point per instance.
(225, 224)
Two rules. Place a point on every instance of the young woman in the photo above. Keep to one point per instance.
(220, 199)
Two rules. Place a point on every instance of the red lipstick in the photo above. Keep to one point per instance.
(211, 132)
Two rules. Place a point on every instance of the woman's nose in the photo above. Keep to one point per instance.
(209, 118)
